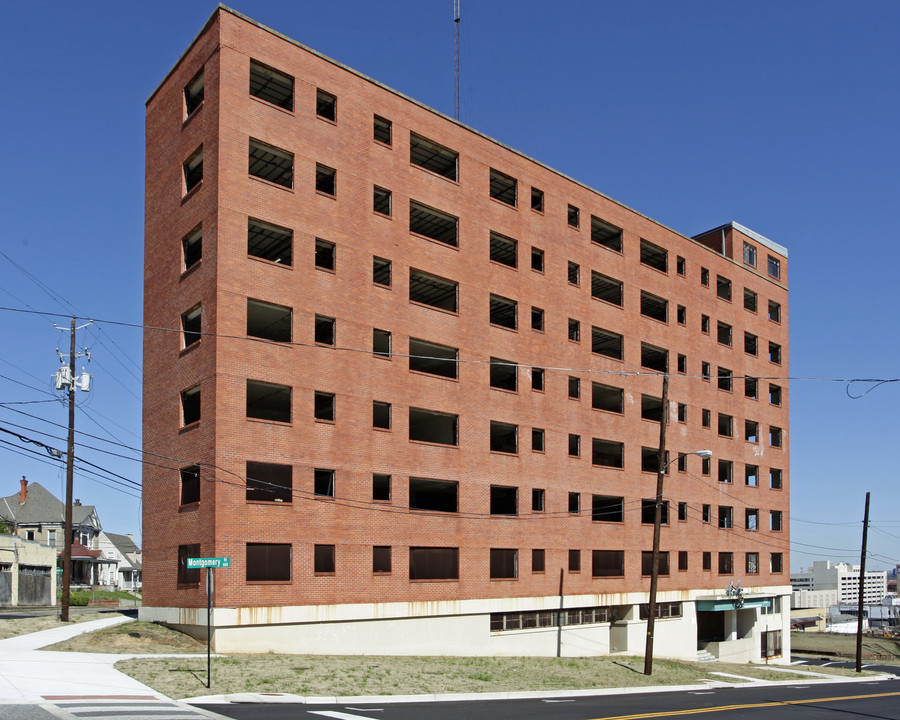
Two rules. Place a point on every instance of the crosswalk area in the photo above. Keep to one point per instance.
(149, 708)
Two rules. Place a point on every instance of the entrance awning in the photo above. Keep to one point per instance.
(727, 603)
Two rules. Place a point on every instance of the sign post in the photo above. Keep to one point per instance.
(210, 564)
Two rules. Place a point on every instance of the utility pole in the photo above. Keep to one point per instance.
(65, 376)
(456, 60)
(862, 584)
(657, 527)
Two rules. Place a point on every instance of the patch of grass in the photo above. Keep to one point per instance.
(844, 646)
(86, 597)
(132, 637)
(25, 625)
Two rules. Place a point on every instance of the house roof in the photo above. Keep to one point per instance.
(41, 506)
(123, 543)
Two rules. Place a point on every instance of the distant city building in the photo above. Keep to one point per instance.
(843, 578)
(805, 598)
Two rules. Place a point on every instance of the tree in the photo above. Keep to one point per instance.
(6, 527)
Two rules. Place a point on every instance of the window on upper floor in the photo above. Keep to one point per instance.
(607, 453)
(775, 353)
(537, 259)
(504, 563)
(537, 200)
(269, 482)
(432, 290)
(504, 250)
(654, 358)
(503, 374)
(190, 326)
(381, 486)
(324, 330)
(537, 319)
(269, 242)
(574, 273)
(326, 105)
(192, 248)
(607, 508)
(504, 188)
(606, 288)
(326, 180)
(381, 200)
(435, 495)
(268, 321)
(574, 387)
(504, 500)
(190, 405)
(382, 129)
(268, 162)
(751, 475)
(271, 85)
(433, 563)
(751, 387)
(574, 216)
(607, 235)
(574, 330)
(654, 256)
(381, 559)
(190, 484)
(607, 343)
(193, 170)
(651, 408)
(774, 394)
(381, 415)
(268, 401)
(774, 267)
(538, 437)
(653, 306)
(184, 574)
(381, 342)
(680, 265)
(323, 406)
(433, 358)
(433, 224)
(607, 397)
(723, 333)
(723, 287)
(538, 496)
(726, 471)
(433, 427)
(537, 379)
(323, 559)
(774, 311)
(751, 344)
(751, 300)
(325, 254)
(503, 312)
(323, 482)
(749, 254)
(432, 156)
(381, 271)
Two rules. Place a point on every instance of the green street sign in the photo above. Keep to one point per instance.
(213, 562)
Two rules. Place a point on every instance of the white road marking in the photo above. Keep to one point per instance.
(702, 692)
(557, 701)
(366, 709)
(339, 715)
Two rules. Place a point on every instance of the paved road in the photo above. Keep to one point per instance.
(801, 701)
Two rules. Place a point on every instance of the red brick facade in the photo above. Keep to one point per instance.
(221, 362)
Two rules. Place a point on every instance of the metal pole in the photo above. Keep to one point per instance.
(657, 527)
(559, 617)
(209, 586)
(862, 582)
(70, 468)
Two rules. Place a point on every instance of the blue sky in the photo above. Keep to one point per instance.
(780, 116)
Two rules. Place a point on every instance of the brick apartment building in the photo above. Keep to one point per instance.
(415, 388)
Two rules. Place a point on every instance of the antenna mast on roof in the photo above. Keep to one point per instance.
(456, 59)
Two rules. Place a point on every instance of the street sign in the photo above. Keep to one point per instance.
(213, 562)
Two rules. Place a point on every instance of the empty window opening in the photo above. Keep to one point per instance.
(381, 342)
(193, 170)
(704, 277)
(268, 321)
(775, 353)
(434, 157)
(751, 387)
(775, 520)
(268, 401)
(706, 513)
(607, 563)
(271, 163)
(726, 563)
(433, 563)
(682, 462)
(751, 431)
(607, 508)
(537, 259)
(326, 105)
(726, 471)
(776, 567)
(706, 417)
(751, 343)
(537, 379)
(681, 314)
(433, 427)
(324, 331)
(750, 300)
(432, 358)
(682, 560)
(190, 326)
(682, 412)
(268, 562)
(537, 561)
(607, 397)
(704, 324)
(323, 406)
(323, 559)
(774, 394)
(726, 517)
(325, 254)
(503, 312)
(269, 482)
(574, 560)
(574, 503)
(537, 319)
(504, 437)
(193, 94)
(537, 500)
(775, 436)
(504, 564)
(723, 287)
(606, 288)
(662, 567)
(751, 519)
(752, 563)
(751, 475)
(607, 235)
(574, 273)
(187, 575)
(269, 242)
(682, 511)
(381, 200)
(504, 374)
(504, 250)
(504, 187)
(190, 405)
(574, 387)
(750, 254)
(190, 484)
(574, 445)
(654, 256)
(381, 271)
(648, 511)
(504, 500)
(682, 363)
(723, 333)
(326, 179)
(607, 453)
(649, 460)
(381, 415)
(537, 200)
(774, 311)
(651, 408)
(323, 482)
(433, 224)
(605, 342)
(775, 477)
(655, 358)
(434, 495)
(432, 290)
(680, 265)
(381, 559)
(705, 371)
(774, 267)
(574, 330)
(726, 425)
(705, 466)
(574, 216)
(653, 306)
(381, 130)
(192, 248)
(271, 85)
(381, 486)
(725, 377)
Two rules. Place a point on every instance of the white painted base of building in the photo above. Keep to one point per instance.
(709, 622)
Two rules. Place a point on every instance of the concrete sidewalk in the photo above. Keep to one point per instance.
(29, 675)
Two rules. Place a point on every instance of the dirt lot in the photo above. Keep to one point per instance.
(844, 646)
